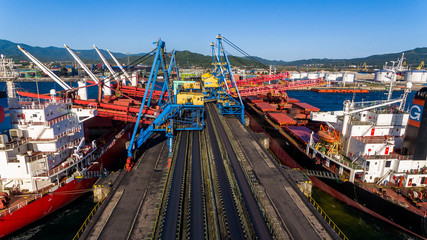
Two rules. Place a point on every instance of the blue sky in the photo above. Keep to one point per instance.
(280, 30)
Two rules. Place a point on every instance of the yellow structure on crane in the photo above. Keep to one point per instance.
(209, 81)
(421, 65)
(194, 98)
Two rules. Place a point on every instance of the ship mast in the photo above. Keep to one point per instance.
(8, 73)
(394, 70)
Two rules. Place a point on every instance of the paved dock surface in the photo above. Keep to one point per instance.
(122, 212)
(131, 211)
(297, 217)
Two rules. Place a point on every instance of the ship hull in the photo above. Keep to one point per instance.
(44, 206)
(352, 194)
(66, 194)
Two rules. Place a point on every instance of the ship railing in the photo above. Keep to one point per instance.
(328, 219)
(340, 158)
(391, 156)
(31, 122)
(379, 139)
(69, 145)
(22, 204)
(36, 157)
(58, 119)
(61, 167)
(346, 162)
(68, 131)
(28, 103)
(14, 144)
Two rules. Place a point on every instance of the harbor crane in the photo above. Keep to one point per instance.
(182, 112)
(216, 84)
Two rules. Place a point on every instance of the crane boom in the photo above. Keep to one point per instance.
(45, 69)
(91, 75)
(118, 64)
(106, 63)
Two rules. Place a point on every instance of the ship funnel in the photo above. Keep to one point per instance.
(415, 140)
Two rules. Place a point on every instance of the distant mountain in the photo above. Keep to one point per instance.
(188, 58)
(49, 54)
(413, 57)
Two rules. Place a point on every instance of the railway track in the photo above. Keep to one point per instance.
(206, 195)
(250, 212)
(183, 213)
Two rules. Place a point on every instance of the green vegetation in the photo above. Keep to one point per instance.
(189, 59)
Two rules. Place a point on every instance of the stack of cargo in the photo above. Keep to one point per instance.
(282, 119)
(301, 111)
(265, 107)
(306, 107)
(253, 99)
(292, 100)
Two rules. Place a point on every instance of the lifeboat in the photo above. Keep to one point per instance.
(327, 136)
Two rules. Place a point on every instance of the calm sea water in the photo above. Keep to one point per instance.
(356, 224)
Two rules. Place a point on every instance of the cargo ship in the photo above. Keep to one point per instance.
(47, 160)
(371, 155)
(339, 90)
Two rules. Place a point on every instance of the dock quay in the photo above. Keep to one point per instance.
(220, 183)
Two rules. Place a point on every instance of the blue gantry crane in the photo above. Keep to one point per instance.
(220, 83)
(177, 110)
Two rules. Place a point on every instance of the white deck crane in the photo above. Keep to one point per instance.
(106, 89)
(128, 77)
(91, 75)
(45, 69)
(107, 64)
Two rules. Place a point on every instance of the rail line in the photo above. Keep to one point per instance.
(171, 227)
(226, 205)
(207, 195)
(261, 229)
(197, 207)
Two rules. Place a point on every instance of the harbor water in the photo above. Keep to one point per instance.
(355, 224)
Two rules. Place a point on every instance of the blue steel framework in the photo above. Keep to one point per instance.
(222, 70)
(173, 116)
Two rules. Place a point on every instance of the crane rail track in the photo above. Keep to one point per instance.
(250, 210)
(207, 195)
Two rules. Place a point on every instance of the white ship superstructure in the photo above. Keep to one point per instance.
(370, 145)
(42, 145)
(41, 142)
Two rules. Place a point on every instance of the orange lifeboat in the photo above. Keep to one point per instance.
(326, 136)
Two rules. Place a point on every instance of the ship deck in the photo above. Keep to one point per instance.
(302, 133)
(389, 192)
